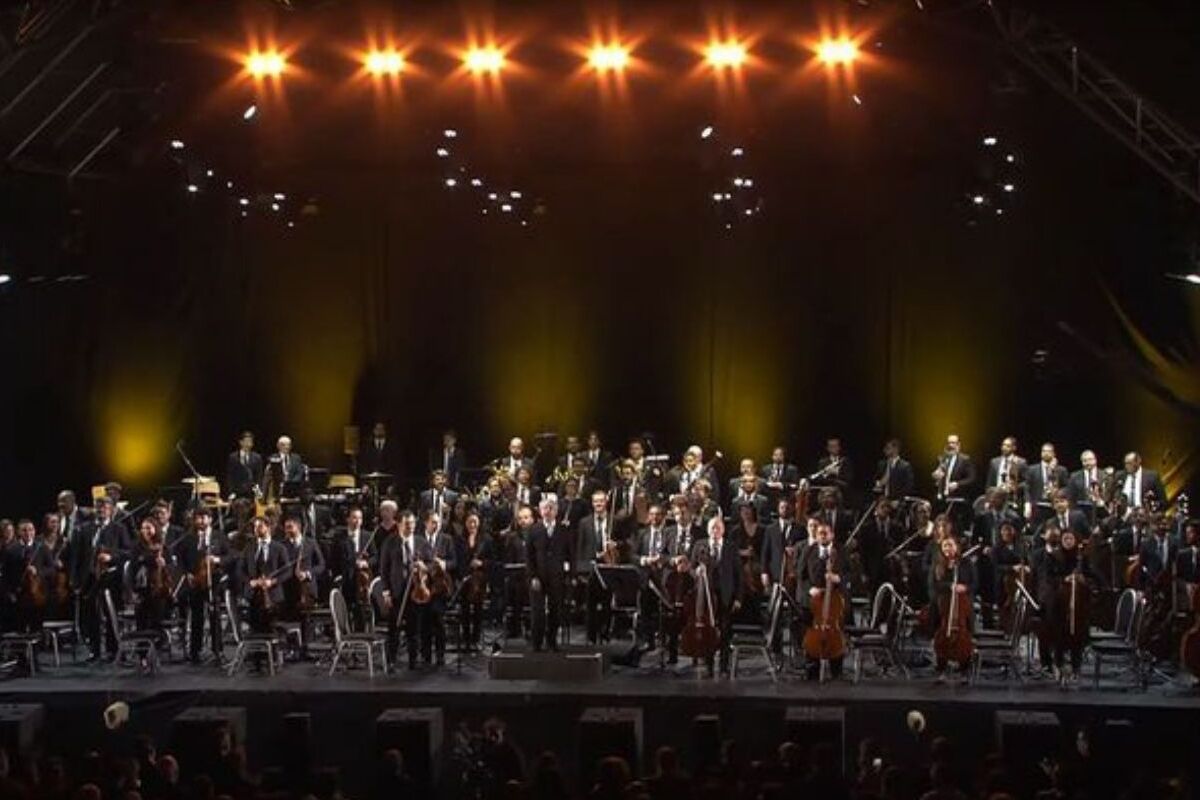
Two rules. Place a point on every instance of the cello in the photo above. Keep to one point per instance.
(700, 638)
(824, 641)
(952, 641)
(1189, 645)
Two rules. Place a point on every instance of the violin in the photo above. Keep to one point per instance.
(700, 638)
(953, 641)
(825, 640)
(418, 590)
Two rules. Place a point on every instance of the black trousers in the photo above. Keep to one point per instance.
(94, 615)
(472, 623)
(417, 631)
(724, 619)
(546, 608)
(200, 609)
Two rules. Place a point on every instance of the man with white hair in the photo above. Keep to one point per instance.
(291, 467)
(549, 555)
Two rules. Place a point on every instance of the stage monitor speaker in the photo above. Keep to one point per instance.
(605, 732)
(1025, 738)
(197, 734)
(812, 725)
(527, 666)
(21, 727)
(706, 743)
(417, 733)
(294, 745)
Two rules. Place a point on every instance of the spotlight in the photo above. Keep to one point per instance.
(1192, 278)
(737, 152)
(274, 206)
(243, 201)
(208, 173)
(280, 196)
(193, 188)
(608, 58)
(837, 51)
(384, 62)
(250, 111)
(977, 199)
(725, 55)
(450, 133)
(270, 64)
(484, 59)
(1008, 187)
(442, 152)
(515, 195)
(451, 183)
(1010, 158)
(706, 131)
(176, 144)
(5, 278)
(990, 141)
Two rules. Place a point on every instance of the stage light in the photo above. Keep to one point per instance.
(977, 199)
(515, 195)
(1008, 187)
(484, 59)
(505, 207)
(737, 152)
(176, 144)
(450, 133)
(1191, 277)
(451, 183)
(5, 278)
(280, 196)
(208, 173)
(384, 62)
(476, 182)
(243, 201)
(608, 58)
(837, 51)
(706, 131)
(990, 141)
(725, 55)
(270, 64)
(250, 111)
(193, 188)
(274, 206)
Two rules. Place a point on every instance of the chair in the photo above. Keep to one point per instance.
(141, 645)
(878, 638)
(267, 644)
(347, 642)
(749, 639)
(1005, 653)
(338, 482)
(1123, 644)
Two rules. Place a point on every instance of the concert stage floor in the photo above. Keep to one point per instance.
(545, 714)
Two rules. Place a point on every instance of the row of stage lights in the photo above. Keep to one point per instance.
(610, 58)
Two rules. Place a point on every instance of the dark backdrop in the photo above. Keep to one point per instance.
(868, 298)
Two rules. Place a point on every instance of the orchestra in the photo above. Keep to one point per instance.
(529, 545)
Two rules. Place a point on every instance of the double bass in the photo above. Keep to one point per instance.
(824, 640)
(1189, 645)
(952, 641)
(700, 638)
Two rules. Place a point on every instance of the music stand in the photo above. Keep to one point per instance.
(623, 582)
(514, 575)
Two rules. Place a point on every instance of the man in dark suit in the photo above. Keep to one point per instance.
(444, 553)
(1128, 541)
(1008, 468)
(438, 498)
(724, 566)
(244, 467)
(1187, 560)
(781, 533)
(300, 583)
(749, 494)
(525, 492)
(1137, 484)
(397, 560)
(203, 601)
(316, 519)
(263, 564)
(652, 553)
(691, 468)
(378, 452)
(986, 531)
(954, 478)
(894, 477)
(451, 459)
(572, 508)
(550, 558)
(1157, 555)
(835, 467)
(288, 466)
(97, 563)
(1067, 518)
(824, 567)
(353, 548)
(516, 458)
(70, 516)
(1042, 481)
(599, 458)
(778, 476)
(830, 511)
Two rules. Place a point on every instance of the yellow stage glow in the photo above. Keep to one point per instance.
(725, 55)
(608, 58)
(266, 65)
(837, 51)
(484, 59)
(384, 62)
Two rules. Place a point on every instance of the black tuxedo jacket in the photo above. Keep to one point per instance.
(725, 574)
(242, 478)
(1017, 467)
(343, 555)
(1035, 485)
(774, 541)
(1150, 483)
(898, 483)
(252, 567)
(815, 568)
(449, 498)
(394, 569)
(963, 474)
(376, 459)
(546, 555)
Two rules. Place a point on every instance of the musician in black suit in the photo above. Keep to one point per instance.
(1087, 484)
(748, 493)
(876, 538)
(1187, 560)
(284, 465)
(834, 468)
(572, 508)
(443, 551)
(104, 545)
(1128, 539)
(70, 516)
(450, 459)
(316, 519)
(778, 476)
(1157, 555)
(263, 563)
(352, 549)
(824, 567)
(204, 601)
(780, 534)
(398, 557)
(244, 467)
(995, 514)
(724, 565)
(830, 511)
(477, 553)
(378, 452)
(1067, 518)
(652, 553)
(516, 458)
(600, 459)
(954, 478)
(1136, 483)
(894, 477)
(525, 493)
(300, 583)
(691, 468)
(439, 497)
(550, 557)
(1007, 469)
(25, 555)
(1042, 481)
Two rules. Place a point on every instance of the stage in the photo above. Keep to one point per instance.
(543, 714)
